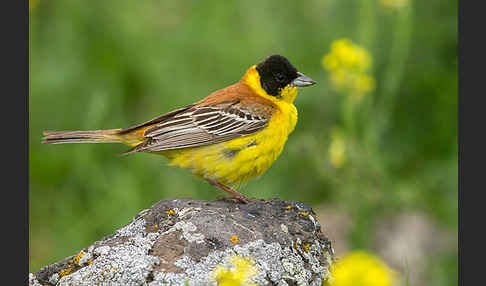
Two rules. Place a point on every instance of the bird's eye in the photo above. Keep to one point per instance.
(280, 77)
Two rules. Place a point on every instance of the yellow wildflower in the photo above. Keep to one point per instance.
(234, 239)
(242, 271)
(337, 149)
(349, 55)
(364, 83)
(330, 62)
(346, 55)
(349, 65)
(361, 268)
(339, 77)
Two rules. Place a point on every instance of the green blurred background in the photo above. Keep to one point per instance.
(110, 64)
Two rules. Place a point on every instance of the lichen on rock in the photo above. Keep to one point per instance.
(204, 243)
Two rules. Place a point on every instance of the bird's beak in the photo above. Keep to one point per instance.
(302, 80)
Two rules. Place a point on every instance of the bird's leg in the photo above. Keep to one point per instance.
(239, 197)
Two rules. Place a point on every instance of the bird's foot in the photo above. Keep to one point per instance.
(237, 197)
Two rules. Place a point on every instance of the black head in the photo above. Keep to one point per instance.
(276, 72)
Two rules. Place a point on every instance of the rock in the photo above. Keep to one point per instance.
(194, 242)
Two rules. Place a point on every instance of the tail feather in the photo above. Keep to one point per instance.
(88, 136)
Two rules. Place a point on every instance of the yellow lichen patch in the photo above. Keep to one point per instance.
(361, 268)
(304, 213)
(306, 247)
(78, 257)
(170, 212)
(234, 239)
(240, 273)
(65, 272)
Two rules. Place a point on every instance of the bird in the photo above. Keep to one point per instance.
(229, 137)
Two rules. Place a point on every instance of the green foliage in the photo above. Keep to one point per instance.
(110, 64)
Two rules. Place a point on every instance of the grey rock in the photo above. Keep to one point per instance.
(194, 242)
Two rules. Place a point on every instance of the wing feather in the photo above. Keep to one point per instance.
(203, 125)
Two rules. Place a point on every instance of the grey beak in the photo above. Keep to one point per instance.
(303, 80)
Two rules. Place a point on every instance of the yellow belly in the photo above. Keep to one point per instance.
(238, 160)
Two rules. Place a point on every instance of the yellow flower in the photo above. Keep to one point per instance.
(330, 62)
(349, 65)
(337, 149)
(364, 83)
(339, 78)
(346, 55)
(242, 271)
(363, 269)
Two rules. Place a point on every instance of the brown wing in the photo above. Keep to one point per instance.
(204, 125)
(161, 118)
